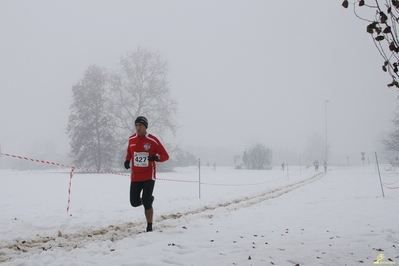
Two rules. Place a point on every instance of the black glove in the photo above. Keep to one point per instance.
(127, 164)
(153, 158)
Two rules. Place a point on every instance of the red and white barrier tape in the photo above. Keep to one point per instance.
(385, 186)
(388, 184)
(73, 168)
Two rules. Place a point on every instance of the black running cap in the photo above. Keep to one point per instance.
(142, 120)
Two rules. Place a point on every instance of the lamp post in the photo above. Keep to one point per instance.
(325, 111)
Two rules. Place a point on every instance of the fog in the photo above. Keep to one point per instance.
(242, 72)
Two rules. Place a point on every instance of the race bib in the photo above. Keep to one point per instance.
(141, 159)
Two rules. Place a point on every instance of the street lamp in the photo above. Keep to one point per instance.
(325, 109)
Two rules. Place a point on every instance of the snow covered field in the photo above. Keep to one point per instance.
(242, 218)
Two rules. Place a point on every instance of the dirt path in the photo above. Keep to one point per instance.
(28, 247)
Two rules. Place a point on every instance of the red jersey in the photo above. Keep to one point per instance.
(138, 150)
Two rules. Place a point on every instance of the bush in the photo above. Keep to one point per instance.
(258, 157)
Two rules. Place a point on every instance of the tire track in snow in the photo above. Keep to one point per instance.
(235, 204)
(25, 248)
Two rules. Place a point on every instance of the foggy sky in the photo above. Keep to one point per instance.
(242, 71)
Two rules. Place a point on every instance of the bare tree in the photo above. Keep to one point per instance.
(391, 142)
(90, 126)
(141, 88)
(382, 18)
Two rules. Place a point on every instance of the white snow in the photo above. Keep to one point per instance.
(243, 217)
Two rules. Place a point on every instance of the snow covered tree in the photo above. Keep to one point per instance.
(90, 126)
(141, 88)
(258, 157)
(382, 17)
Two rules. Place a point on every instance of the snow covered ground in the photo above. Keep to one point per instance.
(242, 218)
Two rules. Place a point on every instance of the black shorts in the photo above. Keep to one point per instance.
(146, 199)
